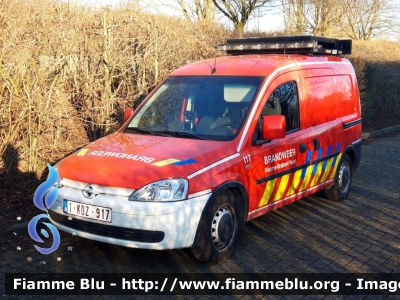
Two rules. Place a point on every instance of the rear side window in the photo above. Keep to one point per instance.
(344, 90)
(320, 104)
(288, 98)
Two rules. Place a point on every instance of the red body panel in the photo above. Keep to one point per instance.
(101, 165)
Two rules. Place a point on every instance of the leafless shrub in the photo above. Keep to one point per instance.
(377, 64)
(67, 72)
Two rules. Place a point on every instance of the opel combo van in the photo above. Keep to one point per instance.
(218, 143)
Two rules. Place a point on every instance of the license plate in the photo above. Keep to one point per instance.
(87, 211)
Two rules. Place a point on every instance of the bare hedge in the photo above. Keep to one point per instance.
(67, 73)
(377, 64)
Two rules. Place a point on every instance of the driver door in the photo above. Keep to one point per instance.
(279, 166)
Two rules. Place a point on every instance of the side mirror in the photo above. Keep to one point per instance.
(273, 127)
(128, 113)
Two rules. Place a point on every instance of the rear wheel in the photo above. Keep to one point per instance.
(342, 180)
(219, 229)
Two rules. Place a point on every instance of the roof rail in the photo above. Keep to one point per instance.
(306, 44)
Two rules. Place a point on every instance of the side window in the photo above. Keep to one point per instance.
(284, 101)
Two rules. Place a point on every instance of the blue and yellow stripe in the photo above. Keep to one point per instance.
(173, 161)
(300, 178)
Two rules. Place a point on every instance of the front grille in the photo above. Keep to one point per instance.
(137, 235)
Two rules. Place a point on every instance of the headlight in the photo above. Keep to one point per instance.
(163, 190)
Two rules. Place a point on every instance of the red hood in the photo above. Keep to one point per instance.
(133, 160)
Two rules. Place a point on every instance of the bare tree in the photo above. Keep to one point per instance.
(316, 17)
(294, 12)
(192, 10)
(239, 11)
(200, 10)
(322, 18)
(365, 19)
(357, 19)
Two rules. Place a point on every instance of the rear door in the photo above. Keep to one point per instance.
(325, 129)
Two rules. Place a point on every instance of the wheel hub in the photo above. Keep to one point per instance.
(344, 177)
(222, 227)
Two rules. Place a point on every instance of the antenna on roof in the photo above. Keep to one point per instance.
(214, 68)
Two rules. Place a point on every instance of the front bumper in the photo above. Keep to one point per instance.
(158, 225)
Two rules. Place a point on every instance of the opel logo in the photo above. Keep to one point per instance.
(88, 192)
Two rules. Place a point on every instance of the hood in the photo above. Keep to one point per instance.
(134, 160)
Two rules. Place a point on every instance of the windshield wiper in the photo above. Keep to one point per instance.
(188, 135)
(147, 131)
(178, 134)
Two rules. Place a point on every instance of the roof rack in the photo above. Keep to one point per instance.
(307, 44)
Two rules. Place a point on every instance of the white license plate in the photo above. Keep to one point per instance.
(87, 211)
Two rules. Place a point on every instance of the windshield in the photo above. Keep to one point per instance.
(203, 107)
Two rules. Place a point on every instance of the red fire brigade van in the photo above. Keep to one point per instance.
(218, 143)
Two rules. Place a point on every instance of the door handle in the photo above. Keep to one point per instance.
(303, 148)
(317, 144)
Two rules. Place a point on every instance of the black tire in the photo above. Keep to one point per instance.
(219, 229)
(342, 180)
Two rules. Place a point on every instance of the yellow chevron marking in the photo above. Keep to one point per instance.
(327, 170)
(296, 179)
(317, 174)
(307, 178)
(336, 165)
(282, 187)
(295, 182)
(267, 193)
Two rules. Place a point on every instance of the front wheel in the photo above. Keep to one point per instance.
(342, 180)
(219, 229)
